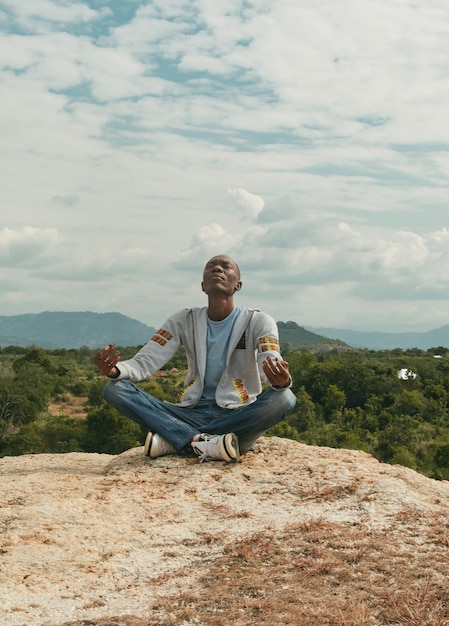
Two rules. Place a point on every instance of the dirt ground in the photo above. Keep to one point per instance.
(293, 534)
(70, 405)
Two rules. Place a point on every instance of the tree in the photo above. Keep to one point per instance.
(26, 441)
(283, 429)
(33, 387)
(54, 435)
(38, 356)
(95, 393)
(333, 402)
(109, 432)
(403, 456)
(442, 456)
(8, 410)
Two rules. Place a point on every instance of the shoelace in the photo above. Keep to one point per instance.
(203, 457)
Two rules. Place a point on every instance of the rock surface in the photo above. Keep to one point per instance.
(85, 536)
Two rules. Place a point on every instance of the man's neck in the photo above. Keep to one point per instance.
(219, 309)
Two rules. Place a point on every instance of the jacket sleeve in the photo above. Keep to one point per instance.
(267, 343)
(156, 353)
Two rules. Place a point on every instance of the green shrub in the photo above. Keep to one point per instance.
(109, 432)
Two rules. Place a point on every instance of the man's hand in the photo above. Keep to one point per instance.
(276, 372)
(106, 359)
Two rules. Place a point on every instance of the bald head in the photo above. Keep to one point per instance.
(224, 258)
(221, 274)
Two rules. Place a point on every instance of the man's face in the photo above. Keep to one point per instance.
(221, 276)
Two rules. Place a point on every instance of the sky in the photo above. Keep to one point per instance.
(307, 139)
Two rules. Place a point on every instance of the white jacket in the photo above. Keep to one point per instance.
(254, 337)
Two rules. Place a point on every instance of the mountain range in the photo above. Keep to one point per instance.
(52, 330)
(373, 340)
(74, 330)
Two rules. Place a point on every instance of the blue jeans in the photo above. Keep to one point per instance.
(178, 424)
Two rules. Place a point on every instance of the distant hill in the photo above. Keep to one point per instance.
(76, 329)
(94, 330)
(294, 336)
(72, 330)
(388, 341)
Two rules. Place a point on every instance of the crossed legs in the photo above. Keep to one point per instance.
(178, 425)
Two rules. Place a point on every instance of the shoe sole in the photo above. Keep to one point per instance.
(231, 446)
(159, 447)
(147, 446)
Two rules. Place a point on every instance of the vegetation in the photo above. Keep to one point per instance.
(319, 573)
(345, 399)
(357, 400)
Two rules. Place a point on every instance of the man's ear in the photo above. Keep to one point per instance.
(238, 286)
(202, 286)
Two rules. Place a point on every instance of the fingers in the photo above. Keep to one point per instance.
(106, 359)
(276, 371)
(276, 366)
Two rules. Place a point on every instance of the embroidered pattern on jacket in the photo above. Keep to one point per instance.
(269, 343)
(184, 390)
(241, 390)
(161, 337)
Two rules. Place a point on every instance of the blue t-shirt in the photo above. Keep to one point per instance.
(218, 334)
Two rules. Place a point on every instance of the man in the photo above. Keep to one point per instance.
(221, 410)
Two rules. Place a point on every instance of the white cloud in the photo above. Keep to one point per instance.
(37, 13)
(27, 247)
(308, 140)
(249, 203)
(206, 242)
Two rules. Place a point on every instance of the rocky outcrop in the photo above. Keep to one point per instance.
(87, 536)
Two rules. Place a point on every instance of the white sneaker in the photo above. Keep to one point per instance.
(217, 447)
(155, 446)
